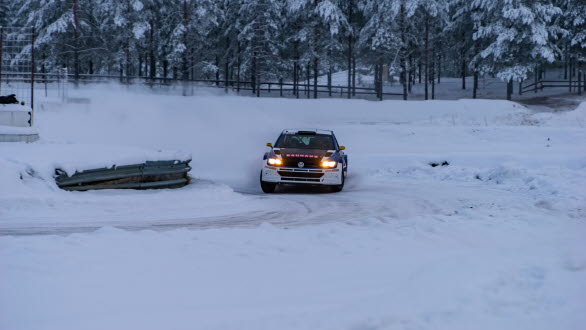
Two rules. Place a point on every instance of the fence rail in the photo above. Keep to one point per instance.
(577, 86)
(281, 87)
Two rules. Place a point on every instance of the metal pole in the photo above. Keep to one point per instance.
(32, 74)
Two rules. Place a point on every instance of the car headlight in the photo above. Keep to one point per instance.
(275, 161)
(329, 164)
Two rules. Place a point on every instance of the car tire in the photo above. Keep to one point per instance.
(267, 187)
(339, 187)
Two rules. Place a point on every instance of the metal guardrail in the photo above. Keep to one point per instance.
(148, 175)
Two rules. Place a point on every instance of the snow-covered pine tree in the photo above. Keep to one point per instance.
(433, 16)
(519, 34)
(573, 21)
(260, 37)
(320, 24)
(6, 12)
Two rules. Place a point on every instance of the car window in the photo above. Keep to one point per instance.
(297, 141)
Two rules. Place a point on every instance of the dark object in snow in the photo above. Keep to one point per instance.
(8, 99)
(149, 175)
(445, 163)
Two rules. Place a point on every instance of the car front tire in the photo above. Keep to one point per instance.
(340, 187)
(267, 187)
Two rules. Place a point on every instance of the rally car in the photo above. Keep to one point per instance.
(305, 157)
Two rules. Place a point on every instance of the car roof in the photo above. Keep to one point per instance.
(315, 130)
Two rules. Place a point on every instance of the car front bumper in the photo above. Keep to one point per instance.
(295, 175)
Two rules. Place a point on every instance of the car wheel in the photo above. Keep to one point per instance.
(267, 187)
(338, 188)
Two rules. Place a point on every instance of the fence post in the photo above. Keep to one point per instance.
(281, 86)
(579, 82)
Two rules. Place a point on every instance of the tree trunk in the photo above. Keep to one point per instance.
(350, 4)
(426, 55)
(566, 63)
(410, 83)
(330, 80)
(315, 56)
(153, 66)
(296, 69)
(253, 74)
(165, 70)
(217, 71)
(315, 74)
(403, 40)
(353, 75)
(238, 70)
(226, 76)
(76, 41)
(308, 74)
(463, 54)
(475, 84)
(432, 74)
(128, 73)
(185, 59)
(420, 68)
(439, 67)
(376, 79)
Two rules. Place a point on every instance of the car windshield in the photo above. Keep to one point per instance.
(303, 141)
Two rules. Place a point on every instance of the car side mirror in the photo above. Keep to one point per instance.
(342, 148)
(269, 145)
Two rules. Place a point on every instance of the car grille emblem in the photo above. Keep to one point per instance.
(301, 164)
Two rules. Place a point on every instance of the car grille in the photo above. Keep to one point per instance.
(294, 162)
(299, 174)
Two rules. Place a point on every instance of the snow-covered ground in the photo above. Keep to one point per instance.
(492, 240)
